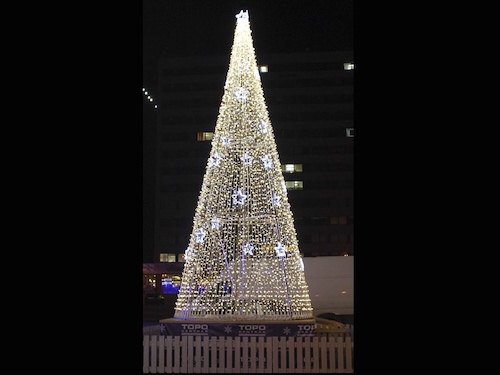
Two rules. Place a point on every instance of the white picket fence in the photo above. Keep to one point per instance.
(330, 353)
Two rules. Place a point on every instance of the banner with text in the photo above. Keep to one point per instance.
(236, 330)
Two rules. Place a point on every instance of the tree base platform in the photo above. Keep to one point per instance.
(237, 328)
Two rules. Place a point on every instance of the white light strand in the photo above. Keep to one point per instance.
(149, 97)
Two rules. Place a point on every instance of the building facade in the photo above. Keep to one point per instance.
(310, 102)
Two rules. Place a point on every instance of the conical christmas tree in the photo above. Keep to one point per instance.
(243, 260)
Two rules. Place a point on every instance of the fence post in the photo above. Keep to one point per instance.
(348, 356)
(168, 354)
(161, 353)
(145, 354)
(176, 358)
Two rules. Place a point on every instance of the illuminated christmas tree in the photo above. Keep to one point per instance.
(243, 260)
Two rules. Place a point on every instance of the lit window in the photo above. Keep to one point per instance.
(182, 258)
(263, 69)
(291, 168)
(204, 136)
(165, 257)
(348, 66)
(294, 185)
(349, 132)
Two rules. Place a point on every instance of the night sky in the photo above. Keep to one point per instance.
(176, 28)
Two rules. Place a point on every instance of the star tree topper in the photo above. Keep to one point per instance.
(242, 15)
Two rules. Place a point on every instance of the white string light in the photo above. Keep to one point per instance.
(149, 97)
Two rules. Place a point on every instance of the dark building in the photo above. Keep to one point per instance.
(310, 103)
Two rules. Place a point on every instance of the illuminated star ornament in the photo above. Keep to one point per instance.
(248, 249)
(215, 223)
(226, 141)
(200, 235)
(239, 198)
(188, 252)
(263, 127)
(246, 159)
(268, 163)
(275, 200)
(215, 160)
(241, 94)
(244, 65)
(280, 250)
